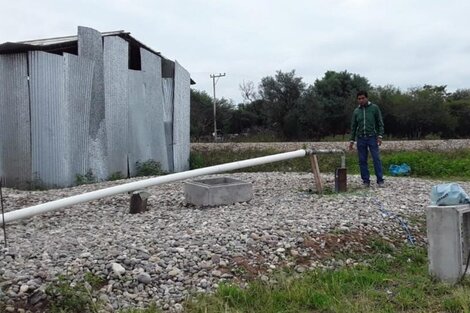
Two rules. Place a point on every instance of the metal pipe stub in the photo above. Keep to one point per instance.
(341, 180)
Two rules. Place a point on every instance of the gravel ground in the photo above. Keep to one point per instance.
(175, 249)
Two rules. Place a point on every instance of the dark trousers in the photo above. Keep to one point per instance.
(364, 144)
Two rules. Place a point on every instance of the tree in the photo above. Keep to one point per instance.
(248, 91)
(336, 94)
(460, 94)
(460, 111)
(280, 94)
(201, 115)
(394, 107)
(427, 113)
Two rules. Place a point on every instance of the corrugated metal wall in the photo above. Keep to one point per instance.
(78, 88)
(15, 125)
(90, 46)
(49, 127)
(116, 59)
(167, 87)
(146, 129)
(140, 146)
(181, 120)
(152, 69)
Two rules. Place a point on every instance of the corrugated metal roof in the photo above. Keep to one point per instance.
(65, 41)
(59, 40)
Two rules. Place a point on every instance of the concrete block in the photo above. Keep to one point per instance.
(448, 231)
(217, 191)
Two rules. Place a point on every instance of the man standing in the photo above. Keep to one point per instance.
(368, 128)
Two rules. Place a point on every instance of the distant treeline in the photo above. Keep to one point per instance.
(288, 109)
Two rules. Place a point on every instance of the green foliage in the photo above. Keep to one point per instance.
(459, 109)
(148, 168)
(88, 178)
(116, 176)
(95, 281)
(281, 95)
(201, 116)
(435, 164)
(196, 160)
(336, 95)
(62, 296)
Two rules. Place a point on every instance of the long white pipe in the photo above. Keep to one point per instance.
(102, 193)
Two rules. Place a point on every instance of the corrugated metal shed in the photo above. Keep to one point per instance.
(94, 104)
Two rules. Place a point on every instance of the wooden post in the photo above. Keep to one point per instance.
(138, 202)
(316, 173)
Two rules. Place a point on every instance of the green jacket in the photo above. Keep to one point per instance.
(367, 121)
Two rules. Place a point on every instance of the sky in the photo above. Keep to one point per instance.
(404, 43)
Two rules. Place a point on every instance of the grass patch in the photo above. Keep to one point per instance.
(63, 296)
(88, 178)
(116, 176)
(388, 284)
(148, 168)
(432, 164)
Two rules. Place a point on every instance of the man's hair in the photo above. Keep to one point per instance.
(362, 93)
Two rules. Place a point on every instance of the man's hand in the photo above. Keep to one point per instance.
(379, 141)
(351, 145)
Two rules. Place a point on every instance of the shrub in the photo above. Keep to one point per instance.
(148, 168)
(88, 178)
(196, 160)
(116, 176)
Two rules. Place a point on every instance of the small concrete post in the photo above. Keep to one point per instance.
(448, 231)
(138, 201)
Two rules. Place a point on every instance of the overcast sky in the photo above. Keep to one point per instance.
(405, 43)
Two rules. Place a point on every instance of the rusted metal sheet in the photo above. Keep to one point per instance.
(15, 124)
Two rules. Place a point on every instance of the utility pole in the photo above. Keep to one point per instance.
(214, 81)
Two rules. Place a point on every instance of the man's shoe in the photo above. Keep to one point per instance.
(365, 185)
(381, 184)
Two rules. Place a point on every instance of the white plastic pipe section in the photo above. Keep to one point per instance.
(129, 187)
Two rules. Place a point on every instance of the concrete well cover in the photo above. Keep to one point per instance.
(217, 191)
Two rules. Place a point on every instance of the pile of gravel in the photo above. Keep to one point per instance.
(174, 249)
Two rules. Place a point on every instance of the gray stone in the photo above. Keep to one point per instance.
(118, 269)
(144, 278)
